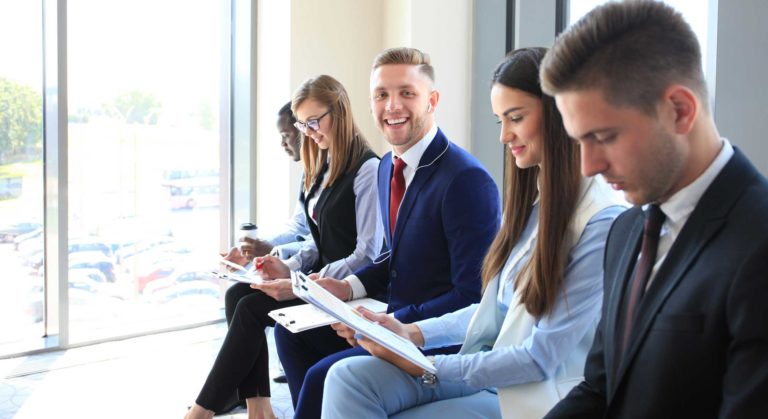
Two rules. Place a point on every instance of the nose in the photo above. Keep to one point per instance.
(593, 161)
(393, 103)
(506, 135)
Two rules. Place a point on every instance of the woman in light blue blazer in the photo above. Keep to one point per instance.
(524, 344)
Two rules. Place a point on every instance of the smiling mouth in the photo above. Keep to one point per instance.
(396, 121)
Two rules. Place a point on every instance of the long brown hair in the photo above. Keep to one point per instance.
(347, 143)
(558, 189)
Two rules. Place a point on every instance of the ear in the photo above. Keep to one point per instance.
(434, 97)
(685, 107)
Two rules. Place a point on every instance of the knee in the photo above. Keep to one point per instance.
(340, 373)
(234, 294)
(316, 374)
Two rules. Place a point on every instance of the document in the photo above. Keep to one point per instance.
(240, 275)
(309, 291)
(249, 278)
(306, 316)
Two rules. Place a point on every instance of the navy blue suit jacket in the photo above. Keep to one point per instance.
(447, 220)
(699, 344)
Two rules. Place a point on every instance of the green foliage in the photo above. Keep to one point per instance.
(135, 107)
(21, 122)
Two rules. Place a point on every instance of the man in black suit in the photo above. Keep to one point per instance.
(684, 331)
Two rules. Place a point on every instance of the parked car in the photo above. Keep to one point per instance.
(90, 244)
(192, 290)
(141, 247)
(178, 277)
(94, 260)
(33, 238)
(9, 232)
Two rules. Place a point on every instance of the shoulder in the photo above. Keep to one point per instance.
(369, 166)
(366, 174)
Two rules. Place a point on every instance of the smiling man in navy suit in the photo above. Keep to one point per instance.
(684, 329)
(440, 210)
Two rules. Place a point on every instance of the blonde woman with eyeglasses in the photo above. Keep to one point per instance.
(339, 199)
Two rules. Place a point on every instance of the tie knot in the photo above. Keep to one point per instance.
(399, 164)
(654, 218)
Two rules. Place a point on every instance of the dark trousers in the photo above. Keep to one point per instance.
(306, 358)
(243, 360)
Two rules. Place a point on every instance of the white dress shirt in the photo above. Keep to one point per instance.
(679, 206)
(412, 157)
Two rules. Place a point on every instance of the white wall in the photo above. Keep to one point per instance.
(341, 38)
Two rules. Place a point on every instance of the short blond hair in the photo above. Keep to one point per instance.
(404, 55)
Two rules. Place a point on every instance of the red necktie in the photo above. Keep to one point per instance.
(396, 192)
(654, 218)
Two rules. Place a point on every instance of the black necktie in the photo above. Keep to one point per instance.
(654, 218)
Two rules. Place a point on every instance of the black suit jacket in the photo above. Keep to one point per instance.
(699, 347)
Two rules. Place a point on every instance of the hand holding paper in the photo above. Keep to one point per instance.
(279, 289)
(272, 267)
(380, 351)
(314, 294)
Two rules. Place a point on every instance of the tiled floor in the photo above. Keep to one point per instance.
(149, 377)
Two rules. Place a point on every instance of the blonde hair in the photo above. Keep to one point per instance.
(409, 56)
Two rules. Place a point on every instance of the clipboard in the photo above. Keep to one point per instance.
(306, 316)
(314, 294)
(248, 279)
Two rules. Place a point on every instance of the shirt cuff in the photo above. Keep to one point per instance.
(358, 289)
(293, 264)
(431, 329)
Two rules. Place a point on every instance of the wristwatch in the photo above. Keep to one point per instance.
(428, 378)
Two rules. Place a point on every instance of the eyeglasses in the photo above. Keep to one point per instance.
(314, 124)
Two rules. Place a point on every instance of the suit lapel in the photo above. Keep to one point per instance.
(385, 175)
(707, 218)
(428, 165)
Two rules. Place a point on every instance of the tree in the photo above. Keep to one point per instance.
(21, 122)
(135, 107)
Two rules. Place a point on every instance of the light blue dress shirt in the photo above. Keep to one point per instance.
(576, 311)
(370, 230)
(294, 235)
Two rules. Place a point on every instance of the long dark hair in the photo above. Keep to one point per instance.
(558, 189)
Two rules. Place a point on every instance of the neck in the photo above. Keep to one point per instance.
(704, 145)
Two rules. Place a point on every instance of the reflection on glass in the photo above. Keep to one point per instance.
(144, 80)
(21, 174)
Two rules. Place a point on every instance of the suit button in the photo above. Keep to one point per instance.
(394, 273)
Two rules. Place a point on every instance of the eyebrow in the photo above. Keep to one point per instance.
(508, 111)
(401, 87)
(594, 132)
(512, 109)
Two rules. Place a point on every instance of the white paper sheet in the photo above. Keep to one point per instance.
(309, 291)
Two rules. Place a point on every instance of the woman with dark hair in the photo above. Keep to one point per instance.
(525, 343)
(340, 205)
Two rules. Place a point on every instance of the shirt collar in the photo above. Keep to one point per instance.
(412, 156)
(680, 205)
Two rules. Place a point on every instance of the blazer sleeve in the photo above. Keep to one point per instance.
(745, 382)
(470, 218)
(375, 275)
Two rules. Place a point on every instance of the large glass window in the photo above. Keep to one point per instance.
(144, 164)
(21, 173)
